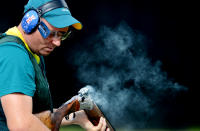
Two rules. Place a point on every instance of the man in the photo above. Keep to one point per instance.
(23, 85)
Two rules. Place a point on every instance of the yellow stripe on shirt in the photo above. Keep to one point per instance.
(15, 32)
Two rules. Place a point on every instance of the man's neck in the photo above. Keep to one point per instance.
(26, 37)
(19, 27)
(28, 41)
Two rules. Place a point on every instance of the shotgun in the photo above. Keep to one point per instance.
(82, 101)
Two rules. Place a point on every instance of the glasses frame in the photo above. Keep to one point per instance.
(59, 35)
(47, 33)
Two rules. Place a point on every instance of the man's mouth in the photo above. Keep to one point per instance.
(49, 49)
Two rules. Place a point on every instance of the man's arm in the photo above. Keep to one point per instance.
(80, 119)
(18, 111)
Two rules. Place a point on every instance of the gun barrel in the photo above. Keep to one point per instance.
(94, 116)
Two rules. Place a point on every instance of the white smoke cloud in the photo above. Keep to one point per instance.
(128, 86)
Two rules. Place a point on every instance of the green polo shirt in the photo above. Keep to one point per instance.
(16, 73)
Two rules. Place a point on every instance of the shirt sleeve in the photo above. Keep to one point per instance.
(17, 74)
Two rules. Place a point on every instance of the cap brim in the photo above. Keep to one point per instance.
(60, 19)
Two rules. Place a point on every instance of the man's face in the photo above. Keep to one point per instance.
(43, 46)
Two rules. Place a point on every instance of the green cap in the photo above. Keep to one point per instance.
(59, 17)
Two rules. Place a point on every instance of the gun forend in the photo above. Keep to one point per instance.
(94, 116)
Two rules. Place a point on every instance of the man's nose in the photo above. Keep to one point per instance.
(56, 42)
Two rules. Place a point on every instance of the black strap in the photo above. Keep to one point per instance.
(51, 5)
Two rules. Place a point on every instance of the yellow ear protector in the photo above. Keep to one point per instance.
(31, 20)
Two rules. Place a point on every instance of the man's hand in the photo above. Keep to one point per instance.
(82, 120)
(100, 127)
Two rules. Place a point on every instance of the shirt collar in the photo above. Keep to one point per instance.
(15, 32)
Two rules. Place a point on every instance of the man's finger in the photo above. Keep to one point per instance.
(108, 129)
(70, 116)
(103, 125)
(74, 115)
(100, 124)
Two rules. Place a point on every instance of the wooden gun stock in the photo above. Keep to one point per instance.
(53, 121)
(94, 116)
(65, 109)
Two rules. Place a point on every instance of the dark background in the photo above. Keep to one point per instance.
(167, 26)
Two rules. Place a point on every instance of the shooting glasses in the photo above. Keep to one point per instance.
(45, 32)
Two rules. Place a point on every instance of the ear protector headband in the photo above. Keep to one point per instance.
(31, 19)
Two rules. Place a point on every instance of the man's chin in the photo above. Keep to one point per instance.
(45, 53)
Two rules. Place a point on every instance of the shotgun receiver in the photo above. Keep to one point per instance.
(82, 101)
